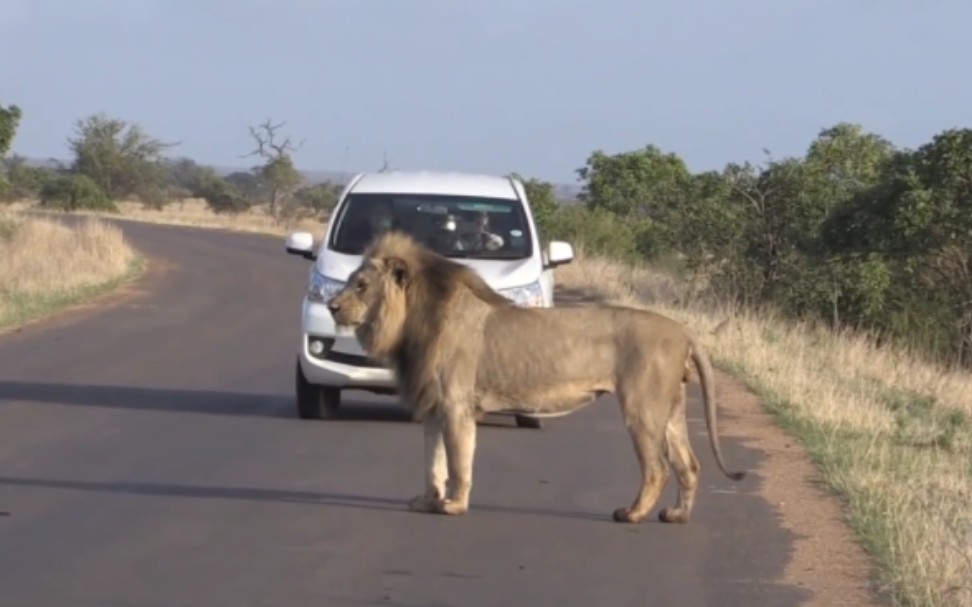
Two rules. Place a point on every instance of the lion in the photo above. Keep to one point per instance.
(460, 350)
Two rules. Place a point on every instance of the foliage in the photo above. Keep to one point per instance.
(121, 158)
(75, 192)
(220, 195)
(22, 180)
(9, 123)
(854, 233)
(542, 200)
(317, 198)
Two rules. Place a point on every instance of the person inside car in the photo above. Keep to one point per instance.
(445, 239)
(479, 238)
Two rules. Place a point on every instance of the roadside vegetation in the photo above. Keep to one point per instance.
(46, 265)
(845, 275)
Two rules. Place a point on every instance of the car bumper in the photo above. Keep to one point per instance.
(340, 361)
(343, 370)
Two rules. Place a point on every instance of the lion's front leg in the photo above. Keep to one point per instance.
(436, 471)
(460, 445)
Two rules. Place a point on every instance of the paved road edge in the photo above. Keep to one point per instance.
(826, 558)
(91, 298)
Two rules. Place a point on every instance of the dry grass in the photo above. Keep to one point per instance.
(45, 265)
(891, 433)
(195, 213)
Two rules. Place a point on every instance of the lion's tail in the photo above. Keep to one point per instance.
(706, 380)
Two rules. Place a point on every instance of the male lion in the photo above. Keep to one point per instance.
(460, 350)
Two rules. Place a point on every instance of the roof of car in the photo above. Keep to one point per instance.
(435, 182)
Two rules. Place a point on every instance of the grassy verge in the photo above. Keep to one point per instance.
(46, 266)
(891, 433)
(195, 213)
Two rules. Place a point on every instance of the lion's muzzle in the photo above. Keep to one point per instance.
(334, 307)
(342, 310)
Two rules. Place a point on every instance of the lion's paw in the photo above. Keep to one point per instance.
(624, 515)
(673, 515)
(451, 507)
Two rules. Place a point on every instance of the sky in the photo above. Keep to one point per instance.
(490, 86)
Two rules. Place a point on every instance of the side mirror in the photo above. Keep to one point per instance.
(559, 253)
(302, 245)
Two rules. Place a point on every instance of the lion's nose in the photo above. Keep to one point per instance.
(332, 306)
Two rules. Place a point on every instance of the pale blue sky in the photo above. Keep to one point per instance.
(493, 86)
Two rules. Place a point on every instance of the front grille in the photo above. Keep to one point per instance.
(354, 359)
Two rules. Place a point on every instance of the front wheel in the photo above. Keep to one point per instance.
(315, 402)
(524, 421)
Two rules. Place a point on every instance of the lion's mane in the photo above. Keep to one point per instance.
(419, 292)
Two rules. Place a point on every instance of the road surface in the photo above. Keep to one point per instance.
(150, 456)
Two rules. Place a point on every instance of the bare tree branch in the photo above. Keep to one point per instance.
(266, 139)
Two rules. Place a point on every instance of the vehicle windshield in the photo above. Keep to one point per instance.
(454, 226)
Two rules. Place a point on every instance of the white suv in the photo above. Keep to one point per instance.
(430, 206)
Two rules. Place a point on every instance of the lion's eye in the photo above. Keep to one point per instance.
(361, 286)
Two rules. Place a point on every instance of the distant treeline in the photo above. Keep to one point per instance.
(856, 233)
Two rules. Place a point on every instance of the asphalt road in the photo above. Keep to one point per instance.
(150, 456)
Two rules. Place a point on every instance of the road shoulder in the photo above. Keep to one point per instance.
(826, 559)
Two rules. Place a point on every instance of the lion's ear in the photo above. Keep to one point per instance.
(398, 269)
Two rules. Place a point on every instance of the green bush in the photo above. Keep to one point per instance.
(598, 232)
(75, 192)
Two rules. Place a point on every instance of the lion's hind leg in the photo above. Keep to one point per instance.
(683, 460)
(647, 430)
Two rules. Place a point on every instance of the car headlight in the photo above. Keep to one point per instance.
(321, 288)
(527, 296)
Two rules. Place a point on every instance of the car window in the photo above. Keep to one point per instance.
(455, 226)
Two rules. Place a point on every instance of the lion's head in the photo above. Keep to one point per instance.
(402, 289)
(372, 302)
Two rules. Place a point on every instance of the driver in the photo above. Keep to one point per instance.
(380, 218)
(445, 239)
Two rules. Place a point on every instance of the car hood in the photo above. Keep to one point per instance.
(498, 273)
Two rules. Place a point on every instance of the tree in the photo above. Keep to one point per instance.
(220, 195)
(75, 192)
(9, 123)
(120, 157)
(919, 217)
(318, 198)
(542, 199)
(278, 172)
(249, 183)
(647, 182)
(647, 187)
(23, 181)
(709, 231)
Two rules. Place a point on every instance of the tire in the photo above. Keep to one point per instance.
(523, 421)
(315, 402)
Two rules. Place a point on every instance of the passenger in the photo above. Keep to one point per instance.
(480, 238)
